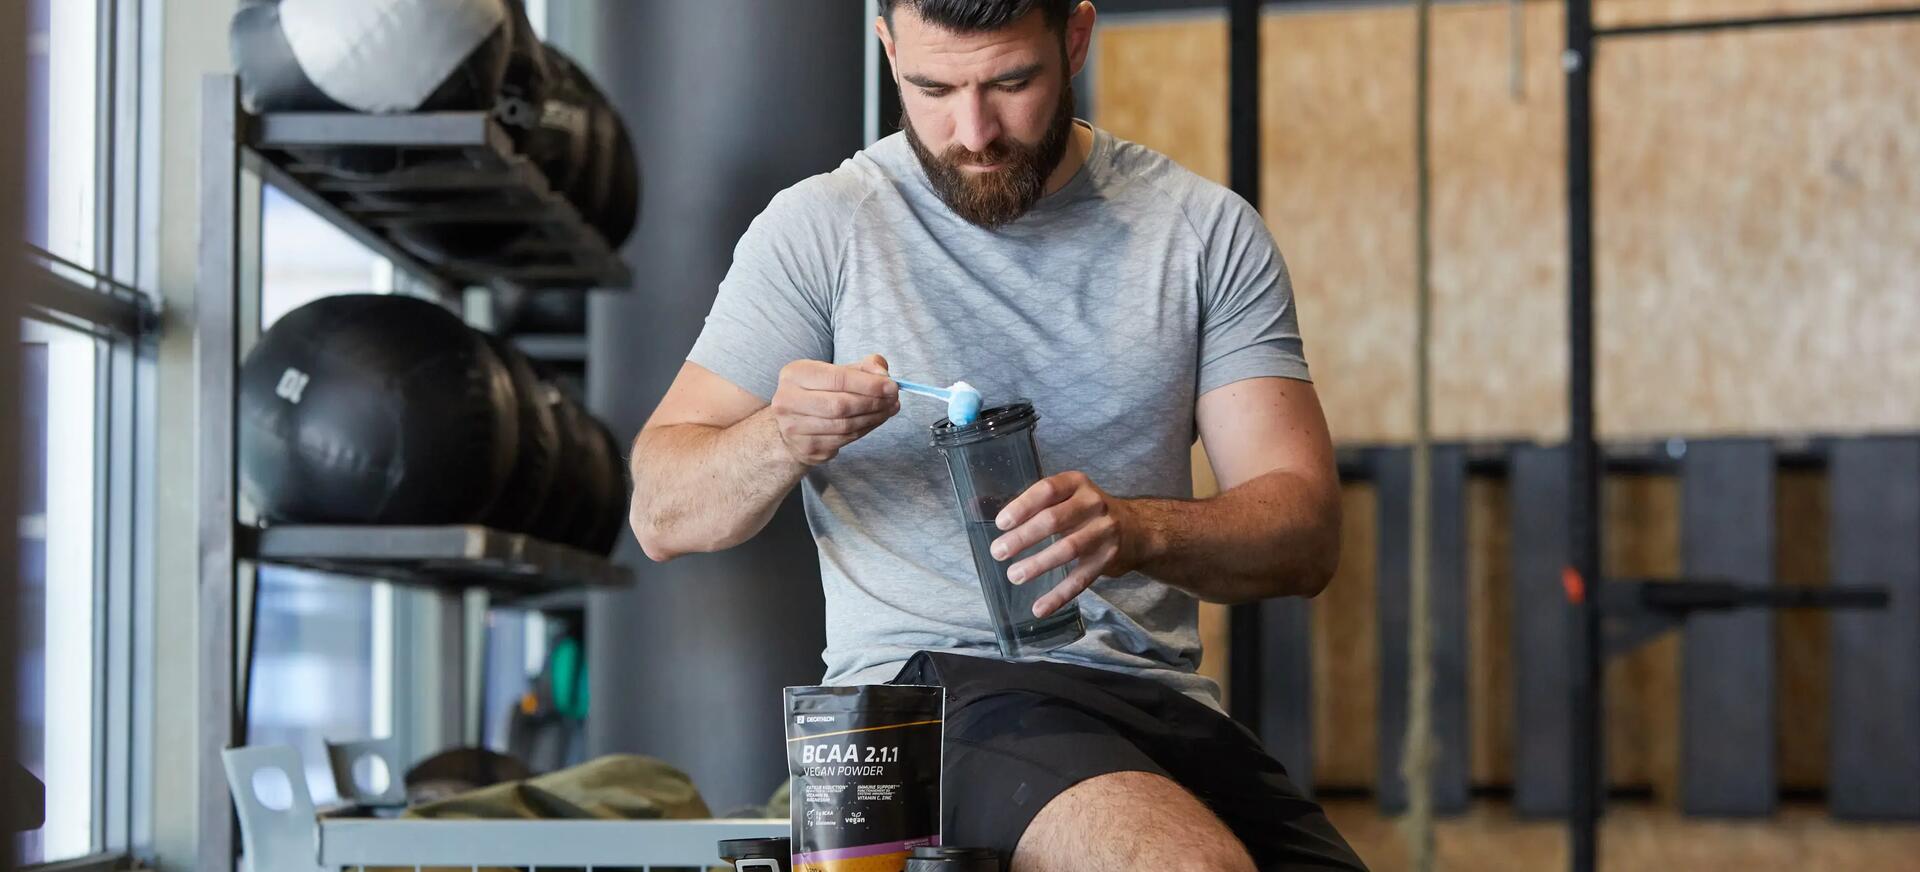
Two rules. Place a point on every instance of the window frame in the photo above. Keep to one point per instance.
(107, 302)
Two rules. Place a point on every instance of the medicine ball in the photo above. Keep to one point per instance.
(593, 473)
(591, 157)
(613, 512)
(376, 56)
(561, 121)
(370, 408)
(567, 497)
(519, 504)
(517, 106)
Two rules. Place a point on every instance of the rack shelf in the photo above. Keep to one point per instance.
(464, 160)
(512, 565)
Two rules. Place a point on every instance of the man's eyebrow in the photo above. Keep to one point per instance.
(1016, 74)
(1027, 71)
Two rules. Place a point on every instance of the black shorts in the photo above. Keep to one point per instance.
(1020, 734)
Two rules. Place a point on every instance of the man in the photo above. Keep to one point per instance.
(998, 240)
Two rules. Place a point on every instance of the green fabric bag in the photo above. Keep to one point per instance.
(614, 787)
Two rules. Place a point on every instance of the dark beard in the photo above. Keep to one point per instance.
(999, 197)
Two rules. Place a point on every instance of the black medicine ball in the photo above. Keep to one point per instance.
(370, 408)
(520, 502)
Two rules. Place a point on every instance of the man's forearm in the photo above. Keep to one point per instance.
(1276, 535)
(698, 488)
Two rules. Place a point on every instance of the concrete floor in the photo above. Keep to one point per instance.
(1639, 836)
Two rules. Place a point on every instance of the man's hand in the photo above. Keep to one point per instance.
(1095, 528)
(821, 407)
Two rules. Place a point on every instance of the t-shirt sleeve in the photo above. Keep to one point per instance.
(775, 305)
(1248, 325)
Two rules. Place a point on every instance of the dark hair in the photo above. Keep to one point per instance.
(975, 16)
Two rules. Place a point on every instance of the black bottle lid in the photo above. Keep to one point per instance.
(997, 421)
(950, 858)
(773, 848)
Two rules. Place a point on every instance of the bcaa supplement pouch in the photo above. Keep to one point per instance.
(865, 763)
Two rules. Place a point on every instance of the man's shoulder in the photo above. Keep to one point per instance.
(835, 194)
(1201, 200)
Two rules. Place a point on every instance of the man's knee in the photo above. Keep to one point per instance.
(1129, 820)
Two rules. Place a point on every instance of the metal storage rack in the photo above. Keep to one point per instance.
(467, 156)
(301, 838)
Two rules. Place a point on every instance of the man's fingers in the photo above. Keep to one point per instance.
(1073, 508)
(858, 425)
(873, 363)
(1038, 496)
(829, 404)
(1081, 578)
(1079, 545)
(815, 375)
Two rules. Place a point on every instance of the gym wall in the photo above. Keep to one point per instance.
(729, 101)
(1754, 277)
(1755, 272)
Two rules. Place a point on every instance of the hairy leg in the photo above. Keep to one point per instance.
(1128, 820)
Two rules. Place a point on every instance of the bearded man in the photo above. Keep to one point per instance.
(999, 240)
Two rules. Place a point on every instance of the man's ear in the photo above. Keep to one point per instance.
(1079, 36)
(886, 44)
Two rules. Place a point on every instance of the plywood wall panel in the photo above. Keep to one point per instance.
(1803, 654)
(1757, 201)
(1345, 642)
(1215, 651)
(1643, 688)
(1760, 198)
(1490, 690)
(1616, 13)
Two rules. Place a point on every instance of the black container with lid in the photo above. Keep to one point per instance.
(949, 858)
(993, 461)
(758, 855)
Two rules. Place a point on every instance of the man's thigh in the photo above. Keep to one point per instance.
(1058, 789)
(1128, 820)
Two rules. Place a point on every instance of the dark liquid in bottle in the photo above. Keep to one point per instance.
(1011, 605)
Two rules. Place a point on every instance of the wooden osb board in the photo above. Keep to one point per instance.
(1764, 189)
(1635, 837)
(1615, 13)
(1643, 688)
(1215, 653)
(1803, 653)
(1756, 194)
(1346, 677)
(1490, 693)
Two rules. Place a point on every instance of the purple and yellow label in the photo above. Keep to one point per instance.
(886, 857)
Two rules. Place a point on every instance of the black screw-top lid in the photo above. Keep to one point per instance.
(771, 848)
(992, 422)
(950, 858)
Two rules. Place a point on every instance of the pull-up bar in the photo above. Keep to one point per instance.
(1673, 27)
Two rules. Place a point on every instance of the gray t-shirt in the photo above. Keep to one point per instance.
(1112, 305)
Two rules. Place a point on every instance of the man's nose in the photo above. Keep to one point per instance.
(975, 125)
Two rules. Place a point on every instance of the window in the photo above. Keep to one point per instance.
(59, 672)
(62, 106)
(72, 410)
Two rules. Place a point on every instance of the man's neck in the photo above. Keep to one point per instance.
(1079, 145)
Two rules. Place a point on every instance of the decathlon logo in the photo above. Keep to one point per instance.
(293, 383)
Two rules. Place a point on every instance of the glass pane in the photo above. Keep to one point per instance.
(58, 675)
(516, 651)
(303, 258)
(62, 100)
(313, 668)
